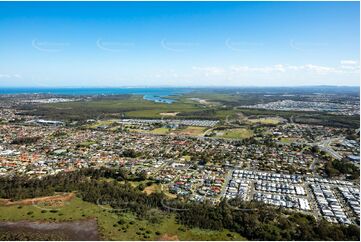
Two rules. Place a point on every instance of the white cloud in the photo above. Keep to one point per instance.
(278, 74)
(10, 76)
(279, 68)
(350, 65)
(263, 69)
(209, 70)
(320, 69)
(296, 68)
(350, 68)
(284, 68)
(348, 62)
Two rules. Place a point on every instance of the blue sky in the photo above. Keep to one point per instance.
(179, 43)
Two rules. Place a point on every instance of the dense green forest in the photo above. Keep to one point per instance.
(254, 221)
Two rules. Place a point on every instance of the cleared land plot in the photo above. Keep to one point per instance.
(289, 140)
(100, 123)
(237, 133)
(152, 189)
(187, 131)
(160, 131)
(191, 131)
(268, 120)
(169, 114)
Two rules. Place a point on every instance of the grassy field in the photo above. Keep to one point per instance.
(187, 131)
(238, 133)
(160, 131)
(269, 120)
(288, 140)
(122, 226)
(234, 133)
(100, 123)
(191, 131)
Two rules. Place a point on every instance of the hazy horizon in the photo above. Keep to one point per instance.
(204, 86)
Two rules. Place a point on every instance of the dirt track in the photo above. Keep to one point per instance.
(30, 201)
(166, 237)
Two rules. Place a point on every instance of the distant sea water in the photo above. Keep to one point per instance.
(152, 94)
(159, 94)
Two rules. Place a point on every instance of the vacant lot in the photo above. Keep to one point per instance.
(268, 120)
(191, 131)
(237, 133)
(160, 131)
(152, 189)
